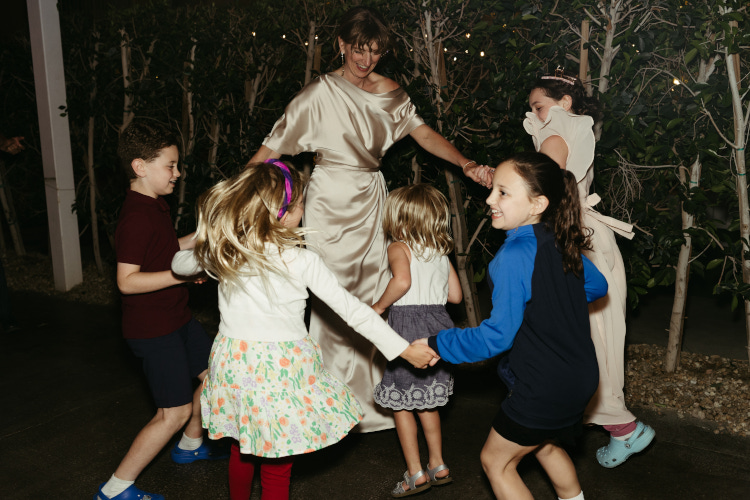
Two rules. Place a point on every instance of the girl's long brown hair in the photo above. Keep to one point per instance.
(544, 177)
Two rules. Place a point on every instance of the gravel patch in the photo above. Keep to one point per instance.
(707, 388)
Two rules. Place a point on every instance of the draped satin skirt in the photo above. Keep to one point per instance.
(343, 208)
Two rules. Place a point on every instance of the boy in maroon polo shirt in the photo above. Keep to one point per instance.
(156, 321)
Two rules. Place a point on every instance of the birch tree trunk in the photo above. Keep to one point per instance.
(188, 130)
(461, 242)
(10, 213)
(438, 79)
(740, 130)
(90, 165)
(127, 107)
(310, 53)
(583, 69)
(213, 151)
(677, 319)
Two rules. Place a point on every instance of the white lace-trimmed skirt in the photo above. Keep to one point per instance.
(407, 388)
(275, 398)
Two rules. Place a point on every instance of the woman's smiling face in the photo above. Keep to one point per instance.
(359, 62)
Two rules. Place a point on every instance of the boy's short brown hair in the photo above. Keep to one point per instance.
(143, 139)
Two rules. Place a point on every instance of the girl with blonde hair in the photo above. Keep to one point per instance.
(417, 221)
(266, 387)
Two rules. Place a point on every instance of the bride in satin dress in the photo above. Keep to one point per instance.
(350, 118)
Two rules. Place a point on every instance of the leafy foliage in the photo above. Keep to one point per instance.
(664, 91)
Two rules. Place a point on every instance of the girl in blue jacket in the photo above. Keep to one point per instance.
(541, 286)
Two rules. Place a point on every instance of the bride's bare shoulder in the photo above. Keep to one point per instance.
(380, 84)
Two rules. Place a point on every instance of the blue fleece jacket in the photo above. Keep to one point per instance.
(540, 314)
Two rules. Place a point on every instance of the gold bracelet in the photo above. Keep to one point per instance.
(467, 164)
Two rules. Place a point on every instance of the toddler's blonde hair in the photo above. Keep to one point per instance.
(238, 217)
(419, 216)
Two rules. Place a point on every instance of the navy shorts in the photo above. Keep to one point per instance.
(526, 436)
(172, 361)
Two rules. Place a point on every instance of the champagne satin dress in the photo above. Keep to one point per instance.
(606, 315)
(350, 131)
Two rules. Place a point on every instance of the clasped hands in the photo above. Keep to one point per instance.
(481, 174)
(420, 354)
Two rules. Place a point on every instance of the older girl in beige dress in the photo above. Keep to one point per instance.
(561, 126)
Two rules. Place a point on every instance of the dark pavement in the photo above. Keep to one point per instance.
(73, 398)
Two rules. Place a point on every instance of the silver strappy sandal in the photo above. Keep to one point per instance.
(410, 481)
(438, 481)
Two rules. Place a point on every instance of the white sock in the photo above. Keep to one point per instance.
(624, 437)
(577, 497)
(190, 444)
(115, 486)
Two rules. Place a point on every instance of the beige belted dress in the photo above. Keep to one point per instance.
(607, 315)
(350, 131)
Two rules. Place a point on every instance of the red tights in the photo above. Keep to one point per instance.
(622, 429)
(274, 476)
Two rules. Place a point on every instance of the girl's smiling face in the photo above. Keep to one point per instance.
(540, 103)
(510, 202)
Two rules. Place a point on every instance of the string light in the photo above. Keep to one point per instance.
(468, 35)
(481, 54)
(676, 81)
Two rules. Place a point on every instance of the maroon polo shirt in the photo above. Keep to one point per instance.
(145, 237)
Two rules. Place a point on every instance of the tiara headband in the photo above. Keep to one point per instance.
(560, 76)
(287, 184)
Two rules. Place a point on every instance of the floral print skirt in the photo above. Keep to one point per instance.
(275, 398)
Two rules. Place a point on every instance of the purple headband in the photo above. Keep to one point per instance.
(287, 184)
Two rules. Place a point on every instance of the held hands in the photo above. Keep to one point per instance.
(420, 354)
(481, 174)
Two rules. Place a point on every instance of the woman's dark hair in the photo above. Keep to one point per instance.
(544, 177)
(558, 86)
(363, 26)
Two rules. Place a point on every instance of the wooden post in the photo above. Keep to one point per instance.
(54, 134)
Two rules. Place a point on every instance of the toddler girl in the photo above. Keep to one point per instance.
(560, 124)
(541, 285)
(266, 387)
(416, 218)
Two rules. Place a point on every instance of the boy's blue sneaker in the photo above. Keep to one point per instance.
(132, 493)
(208, 450)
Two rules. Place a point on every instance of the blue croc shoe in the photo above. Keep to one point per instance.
(132, 493)
(617, 451)
(208, 450)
